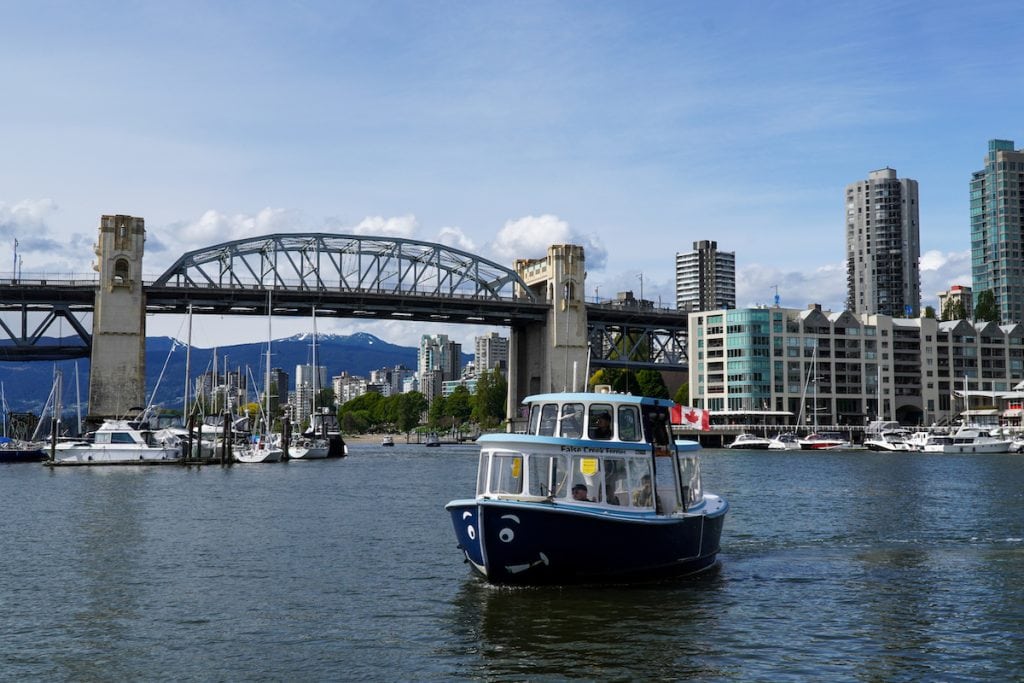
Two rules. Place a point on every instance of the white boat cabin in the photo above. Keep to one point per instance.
(593, 449)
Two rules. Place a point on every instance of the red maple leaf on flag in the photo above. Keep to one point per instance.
(697, 418)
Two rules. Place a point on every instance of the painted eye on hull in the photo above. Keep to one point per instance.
(506, 535)
(471, 532)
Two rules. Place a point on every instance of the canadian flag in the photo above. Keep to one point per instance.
(694, 418)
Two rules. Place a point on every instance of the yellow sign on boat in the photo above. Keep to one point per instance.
(588, 466)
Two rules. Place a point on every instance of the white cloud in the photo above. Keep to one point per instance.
(456, 238)
(940, 270)
(214, 227)
(530, 237)
(825, 285)
(25, 216)
(396, 226)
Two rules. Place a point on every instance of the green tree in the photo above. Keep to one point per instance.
(651, 383)
(682, 396)
(459, 404)
(489, 401)
(366, 406)
(986, 310)
(408, 409)
(929, 312)
(437, 413)
(954, 309)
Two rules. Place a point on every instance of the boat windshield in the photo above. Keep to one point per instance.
(585, 478)
(598, 421)
(689, 479)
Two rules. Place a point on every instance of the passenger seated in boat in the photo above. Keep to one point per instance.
(602, 427)
(579, 492)
(642, 496)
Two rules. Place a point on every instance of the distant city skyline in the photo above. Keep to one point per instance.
(632, 130)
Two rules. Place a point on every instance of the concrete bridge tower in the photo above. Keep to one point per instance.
(551, 356)
(117, 375)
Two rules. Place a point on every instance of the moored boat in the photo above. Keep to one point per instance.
(387, 441)
(258, 449)
(750, 442)
(306, 448)
(966, 439)
(431, 441)
(892, 440)
(820, 441)
(787, 441)
(596, 490)
(16, 450)
(120, 442)
(324, 424)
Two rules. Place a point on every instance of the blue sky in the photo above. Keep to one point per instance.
(631, 128)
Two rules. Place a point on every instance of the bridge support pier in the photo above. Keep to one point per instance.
(117, 374)
(550, 356)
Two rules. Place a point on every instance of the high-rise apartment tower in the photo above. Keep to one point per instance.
(705, 278)
(883, 246)
(997, 229)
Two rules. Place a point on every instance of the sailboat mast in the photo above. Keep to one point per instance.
(316, 370)
(78, 399)
(814, 367)
(188, 368)
(266, 383)
(879, 388)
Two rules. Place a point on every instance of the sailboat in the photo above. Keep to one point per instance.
(17, 450)
(817, 441)
(311, 445)
(261, 447)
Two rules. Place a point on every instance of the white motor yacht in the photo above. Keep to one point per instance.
(120, 442)
(750, 442)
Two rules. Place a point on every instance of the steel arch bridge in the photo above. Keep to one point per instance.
(349, 263)
(354, 276)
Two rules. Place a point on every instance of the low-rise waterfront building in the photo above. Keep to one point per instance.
(817, 366)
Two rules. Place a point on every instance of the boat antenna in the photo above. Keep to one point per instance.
(586, 376)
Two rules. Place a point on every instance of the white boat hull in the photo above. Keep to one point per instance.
(76, 454)
(258, 453)
(309, 451)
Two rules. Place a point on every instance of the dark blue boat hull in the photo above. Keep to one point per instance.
(516, 542)
(21, 455)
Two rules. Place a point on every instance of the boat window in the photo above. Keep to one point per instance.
(548, 419)
(629, 423)
(548, 475)
(102, 437)
(534, 419)
(640, 485)
(506, 474)
(586, 472)
(572, 420)
(689, 479)
(481, 474)
(600, 426)
(121, 437)
(659, 428)
(616, 486)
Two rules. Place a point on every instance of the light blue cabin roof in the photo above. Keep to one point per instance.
(591, 397)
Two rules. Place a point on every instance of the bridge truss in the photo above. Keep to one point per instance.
(353, 276)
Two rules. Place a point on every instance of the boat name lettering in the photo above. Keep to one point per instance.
(588, 449)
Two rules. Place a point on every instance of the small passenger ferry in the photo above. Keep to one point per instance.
(596, 490)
